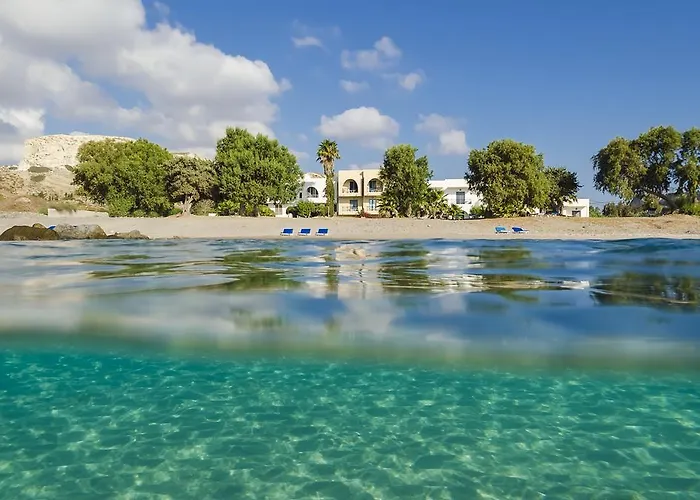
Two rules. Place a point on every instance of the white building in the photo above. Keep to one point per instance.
(312, 189)
(457, 193)
(577, 208)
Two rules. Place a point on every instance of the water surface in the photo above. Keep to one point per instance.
(326, 369)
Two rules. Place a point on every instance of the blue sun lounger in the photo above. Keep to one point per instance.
(501, 230)
(287, 231)
(323, 231)
(305, 231)
(518, 230)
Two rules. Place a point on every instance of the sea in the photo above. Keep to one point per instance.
(312, 368)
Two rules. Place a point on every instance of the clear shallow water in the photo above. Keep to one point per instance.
(322, 369)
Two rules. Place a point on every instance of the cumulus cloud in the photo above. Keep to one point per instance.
(353, 87)
(364, 125)
(300, 155)
(451, 140)
(54, 57)
(411, 80)
(306, 41)
(384, 53)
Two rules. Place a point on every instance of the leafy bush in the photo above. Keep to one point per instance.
(204, 207)
(37, 178)
(306, 209)
(620, 210)
(228, 207)
(689, 207)
(595, 212)
(265, 211)
(119, 207)
(38, 170)
(478, 211)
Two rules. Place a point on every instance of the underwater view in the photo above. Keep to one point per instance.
(322, 369)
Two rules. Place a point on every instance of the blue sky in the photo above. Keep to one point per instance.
(566, 77)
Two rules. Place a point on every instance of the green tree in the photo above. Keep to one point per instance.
(126, 176)
(326, 155)
(188, 179)
(647, 165)
(509, 176)
(405, 179)
(563, 187)
(435, 204)
(687, 167)
(253, 170)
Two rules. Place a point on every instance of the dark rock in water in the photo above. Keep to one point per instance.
(28, 233)
(131, 235)
(81, 232)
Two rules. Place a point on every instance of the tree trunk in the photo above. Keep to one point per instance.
(187, 204)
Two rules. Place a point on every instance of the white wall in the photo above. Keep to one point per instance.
(451, 187)
(578, 208)
(311, 181)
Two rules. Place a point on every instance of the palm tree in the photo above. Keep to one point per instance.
(326, 155)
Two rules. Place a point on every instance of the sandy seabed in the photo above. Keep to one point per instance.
(676, 226)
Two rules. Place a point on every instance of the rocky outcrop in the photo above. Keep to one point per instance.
(28, 233)
(37, 232)
(56, 151)
(82, 232)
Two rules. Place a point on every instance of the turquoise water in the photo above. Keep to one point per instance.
(325, 369)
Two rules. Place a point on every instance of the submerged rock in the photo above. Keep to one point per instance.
(28, 233)
(81, 232)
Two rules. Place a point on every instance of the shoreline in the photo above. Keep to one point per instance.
(345, 228)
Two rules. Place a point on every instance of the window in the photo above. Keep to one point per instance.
(461, 198)
(352, 186)
(374, 186)
(372, 204)
(353, 205)
(312, 192)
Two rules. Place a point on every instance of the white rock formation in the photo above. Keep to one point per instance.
(57, 151)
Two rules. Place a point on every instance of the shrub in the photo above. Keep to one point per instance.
(227, 207)
(38, 170)
(265, 211)
(119, 207)
(595, 212)
(306, 209)
(204, 207)
(478, 211)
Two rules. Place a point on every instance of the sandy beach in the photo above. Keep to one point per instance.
(676, 226)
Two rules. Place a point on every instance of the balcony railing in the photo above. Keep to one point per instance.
(350, 191)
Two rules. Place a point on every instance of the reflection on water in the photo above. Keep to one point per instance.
(456, 299)
(350, 370)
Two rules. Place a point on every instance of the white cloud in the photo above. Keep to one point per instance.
(306, 41)
(451, 139)
(161, 8)
(303, 137)
(54, 55)
(385, 53)
(16, 124)
(366, 126)
(411, 80)
(300, 155)
(353, 87)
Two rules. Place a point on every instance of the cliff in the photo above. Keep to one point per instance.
(55, 151)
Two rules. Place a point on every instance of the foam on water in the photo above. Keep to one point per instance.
(324, 369)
